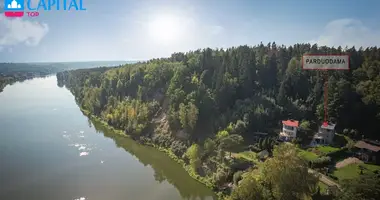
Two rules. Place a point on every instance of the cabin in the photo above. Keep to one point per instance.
(368, 151)
(325, 134)
(289, 130)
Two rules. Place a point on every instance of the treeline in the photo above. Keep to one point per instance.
(207, 89)
(13, 72)
(205, 104)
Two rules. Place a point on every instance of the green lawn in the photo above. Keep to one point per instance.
(327, 149)
(248, 155)
(372, 167)
(323, 187)
(352, 171)
(308, 155)
(348, 172)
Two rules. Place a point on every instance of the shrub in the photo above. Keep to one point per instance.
(209, 147)
(350, 145)
(321, 162)
(178, 148)
(305, 125)
(254, 148)
(145, 140)
(164, 140)
(221, 176)
(193, 153)
(237, 177)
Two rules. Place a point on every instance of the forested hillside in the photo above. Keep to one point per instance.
(202, 105)
(204, 91)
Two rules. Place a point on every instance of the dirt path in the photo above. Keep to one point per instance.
(347, 161)
(324, 179)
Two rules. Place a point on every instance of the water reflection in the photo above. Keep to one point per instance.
(164, 167)
(41, 143)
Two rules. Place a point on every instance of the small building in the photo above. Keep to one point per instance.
(368, 151)
(289, 130)
(325, 134)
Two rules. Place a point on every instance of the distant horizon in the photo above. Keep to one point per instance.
(192, 50)
(64, 62)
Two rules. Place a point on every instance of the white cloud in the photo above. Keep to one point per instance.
(348, 32)
(19, 31)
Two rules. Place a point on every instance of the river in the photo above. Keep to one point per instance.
(49, 150)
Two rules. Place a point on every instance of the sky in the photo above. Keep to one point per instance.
(145, 29)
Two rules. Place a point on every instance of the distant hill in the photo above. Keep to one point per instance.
(54, 67)
(85, 65)
(13, 72)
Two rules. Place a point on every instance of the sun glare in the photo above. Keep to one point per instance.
(164, 29)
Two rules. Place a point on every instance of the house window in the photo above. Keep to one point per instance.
(289, 133)
(289, 127)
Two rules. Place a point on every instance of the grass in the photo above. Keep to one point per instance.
(248, 155)
(348, 172)
(372, 167)
(323, 187)
(340, 155)
(308, 155)
(327, 149)
(352, 171)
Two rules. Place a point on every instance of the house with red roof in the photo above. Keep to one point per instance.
(289, 130)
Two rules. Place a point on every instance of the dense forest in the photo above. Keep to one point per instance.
(205, 103)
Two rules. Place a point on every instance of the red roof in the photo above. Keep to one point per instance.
(290, 123)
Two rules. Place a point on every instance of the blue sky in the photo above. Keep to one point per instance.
(136, 30)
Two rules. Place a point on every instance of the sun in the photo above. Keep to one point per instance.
(164, 29)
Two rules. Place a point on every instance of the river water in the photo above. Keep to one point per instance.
(49, 150)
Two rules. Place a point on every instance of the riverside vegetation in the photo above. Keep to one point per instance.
(202, 107)
(14, 72)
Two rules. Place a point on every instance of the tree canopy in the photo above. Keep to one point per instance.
(203, 91)
(204, 103)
